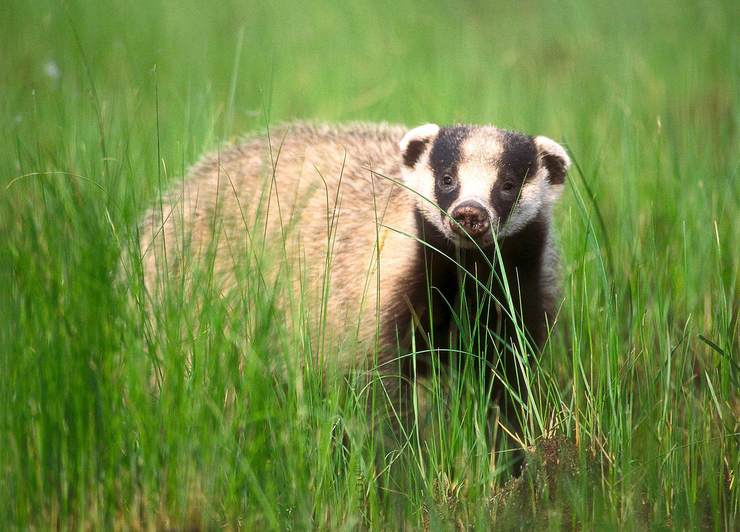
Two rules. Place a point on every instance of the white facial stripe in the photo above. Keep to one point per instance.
(481, 146)
(477, 175)
(532, 190)
(476, 181)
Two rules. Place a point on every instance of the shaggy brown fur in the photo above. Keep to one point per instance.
(328, 193)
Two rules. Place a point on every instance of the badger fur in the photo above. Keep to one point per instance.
(390, 228)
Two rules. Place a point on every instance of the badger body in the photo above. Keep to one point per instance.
(386, 231)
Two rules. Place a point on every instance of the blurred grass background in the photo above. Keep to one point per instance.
(103, 103)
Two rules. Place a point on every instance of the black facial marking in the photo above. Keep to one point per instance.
(414, 151)
(519, 156)
(518, 163)
(444, 160)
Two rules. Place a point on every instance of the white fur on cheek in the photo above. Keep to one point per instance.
(554, 192)
(420, 181)
(532, 199)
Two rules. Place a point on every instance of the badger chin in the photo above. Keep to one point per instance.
(469, 242)
(482, 242)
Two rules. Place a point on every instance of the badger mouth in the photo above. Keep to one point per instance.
(470, 242)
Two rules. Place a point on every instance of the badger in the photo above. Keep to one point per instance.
(390, 234)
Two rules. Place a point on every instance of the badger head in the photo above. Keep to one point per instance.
(475, 184)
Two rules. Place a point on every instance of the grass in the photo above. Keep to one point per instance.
(635, 405)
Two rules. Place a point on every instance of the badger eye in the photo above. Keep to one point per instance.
(508, 186)
(447, 180)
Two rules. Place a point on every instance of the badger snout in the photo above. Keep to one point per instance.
(472, 218)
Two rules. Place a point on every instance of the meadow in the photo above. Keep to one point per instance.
(634, 416)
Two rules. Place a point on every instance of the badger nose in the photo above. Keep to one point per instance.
(472, 219)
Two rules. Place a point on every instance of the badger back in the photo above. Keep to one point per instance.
(316, 206)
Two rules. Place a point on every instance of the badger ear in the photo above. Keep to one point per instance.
(415, 142)
(554, 158)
